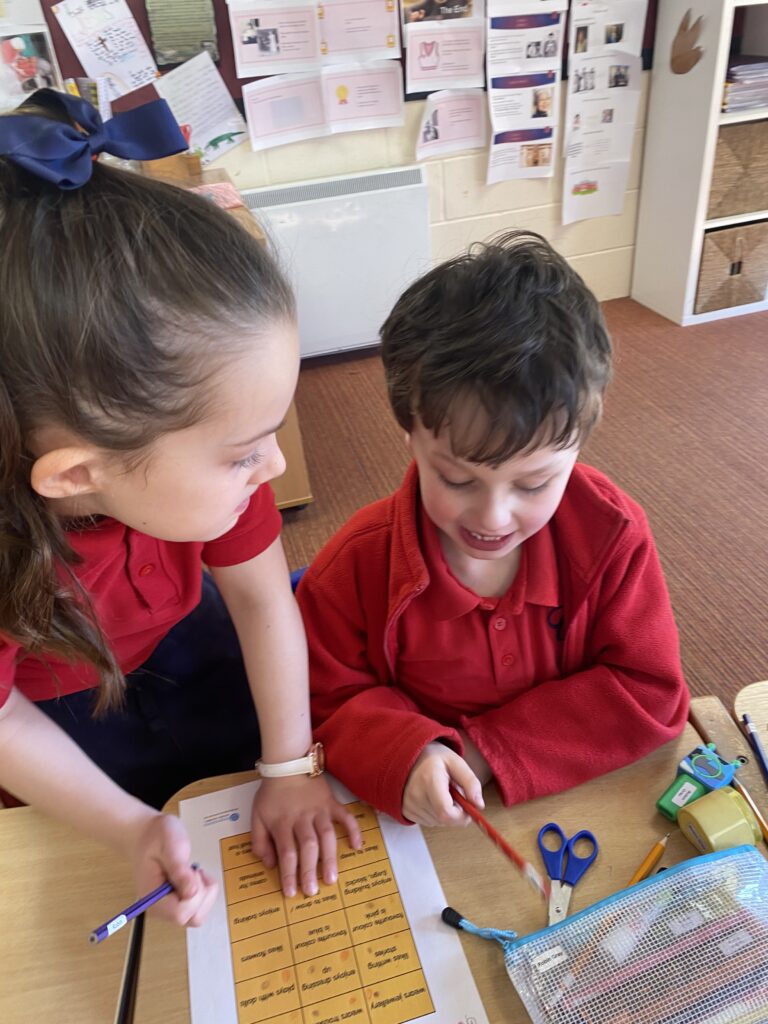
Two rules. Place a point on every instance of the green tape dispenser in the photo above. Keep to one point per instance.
(700, 772)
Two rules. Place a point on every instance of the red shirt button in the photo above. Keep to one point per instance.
(499, 623)
(147, 570)
(507, 660)
(487, 606)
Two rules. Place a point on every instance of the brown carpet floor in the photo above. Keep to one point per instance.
(684, 433)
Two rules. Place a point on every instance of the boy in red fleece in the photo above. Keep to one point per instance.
(503, 615)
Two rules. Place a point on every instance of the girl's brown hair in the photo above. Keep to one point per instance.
(118, 302)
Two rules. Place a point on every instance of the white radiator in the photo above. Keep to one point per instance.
(350, 246)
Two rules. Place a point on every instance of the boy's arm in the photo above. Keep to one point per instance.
(372, 731)
(295, 813)
(629, 698)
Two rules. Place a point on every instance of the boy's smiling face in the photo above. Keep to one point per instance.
(482, 512)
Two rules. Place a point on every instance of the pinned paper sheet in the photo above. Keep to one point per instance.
(19, 14)
(521, 153)
(525, 46)
(358, 30)
(27, 62)
(453, 120)
(369, 948)
(292, 108)
(604, 82)
(441, 10)
(274, 37)
(444, 55)
(198, 97)
(108, 43)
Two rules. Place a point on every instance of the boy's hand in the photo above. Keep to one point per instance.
(292, 824)
(426, 800)
(162, 853)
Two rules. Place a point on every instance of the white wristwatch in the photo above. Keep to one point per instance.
(312, 764)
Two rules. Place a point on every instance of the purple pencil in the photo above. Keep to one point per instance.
(116, 923)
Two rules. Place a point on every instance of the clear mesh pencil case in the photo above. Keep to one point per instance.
(688, 946)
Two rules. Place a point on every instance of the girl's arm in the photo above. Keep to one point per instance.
(41, 765)
(293, 816)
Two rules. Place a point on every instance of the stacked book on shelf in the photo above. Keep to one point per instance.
(746, 84)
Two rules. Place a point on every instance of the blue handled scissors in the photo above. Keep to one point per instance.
(564, 866)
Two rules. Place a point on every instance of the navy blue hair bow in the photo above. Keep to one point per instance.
(62, 154)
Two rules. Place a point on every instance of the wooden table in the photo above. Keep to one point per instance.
(55, 886)
(479, 882)
(753, 701)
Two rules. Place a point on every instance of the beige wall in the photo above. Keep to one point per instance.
(463, 208)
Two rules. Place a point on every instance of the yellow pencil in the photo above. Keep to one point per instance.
(651, 860)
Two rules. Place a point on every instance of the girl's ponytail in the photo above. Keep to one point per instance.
(44, 611)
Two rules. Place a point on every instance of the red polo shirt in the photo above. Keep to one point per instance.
(139, 587)
(460, 654)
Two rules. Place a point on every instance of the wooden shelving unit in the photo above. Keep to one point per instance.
(684, 118)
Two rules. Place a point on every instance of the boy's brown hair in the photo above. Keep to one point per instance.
(507, 335)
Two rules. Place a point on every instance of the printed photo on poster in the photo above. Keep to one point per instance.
(614, 33)
(27, 63)
(618, 76)
(542, 102)
(440, 10)
(583, 79)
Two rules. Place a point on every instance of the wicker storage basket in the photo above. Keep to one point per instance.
(734, 267)
(740, 175)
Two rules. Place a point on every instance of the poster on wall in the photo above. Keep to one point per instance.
(453, 120)
(441, 10)
(340, 98)
(525, 47)
(108, 43)
(444, 55)
(200, 101)
(27, 63)
(604, 84)
(274, 37)
(358, 30)
(181, 29)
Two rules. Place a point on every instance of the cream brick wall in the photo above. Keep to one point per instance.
(463, 209)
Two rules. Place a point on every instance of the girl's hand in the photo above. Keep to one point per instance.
(162, 853)
(426, 800)
(292, 824)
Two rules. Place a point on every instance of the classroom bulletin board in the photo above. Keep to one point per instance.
(71, 68)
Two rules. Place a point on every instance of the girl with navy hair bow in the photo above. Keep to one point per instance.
(148, 355)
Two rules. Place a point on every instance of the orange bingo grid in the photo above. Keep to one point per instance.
(346, 954)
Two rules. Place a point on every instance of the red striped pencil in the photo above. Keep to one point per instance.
(525, 867)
